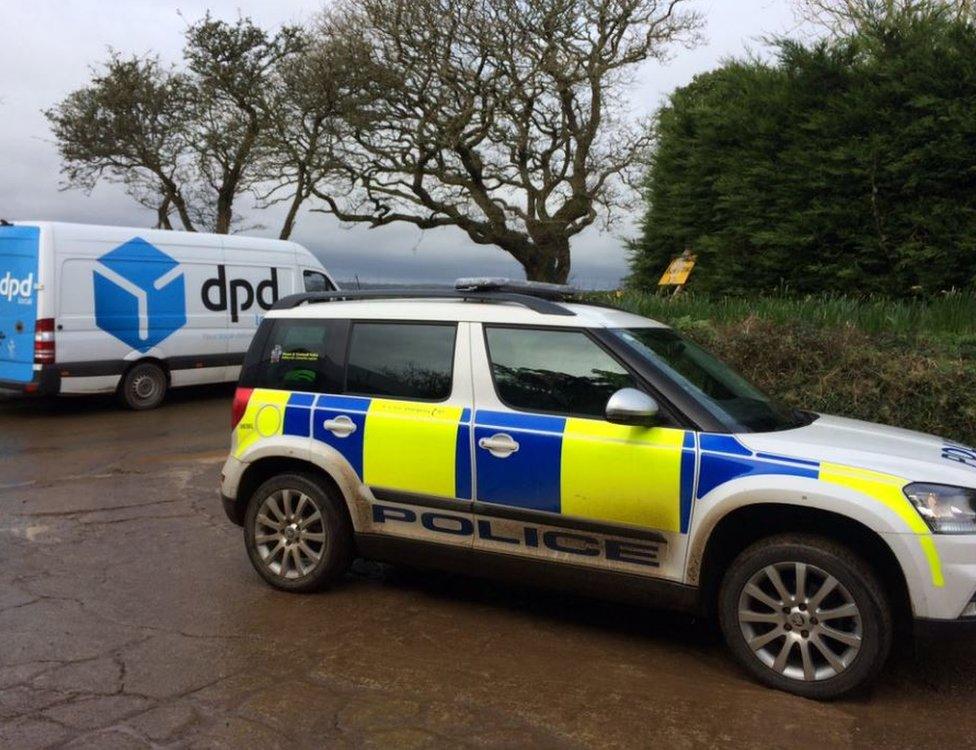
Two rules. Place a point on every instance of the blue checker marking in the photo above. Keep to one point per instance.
(801, 461)
(301, 399)
(530, 477)
(298, 414)
(716, 470)
(723, 444)
(351, 447)
(687, 479)
(504, 420)
(297, 421)
(462, 458)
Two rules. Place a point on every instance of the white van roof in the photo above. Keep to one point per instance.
(77, 230)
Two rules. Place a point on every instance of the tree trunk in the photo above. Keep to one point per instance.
(225, 211)
(176, 198)
(162, 214)
(548, 262)
(296, 202)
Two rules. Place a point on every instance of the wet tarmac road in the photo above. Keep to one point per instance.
(130, 617)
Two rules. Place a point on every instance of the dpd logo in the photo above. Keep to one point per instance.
(243, 296)
(140, 295)
(11, 287)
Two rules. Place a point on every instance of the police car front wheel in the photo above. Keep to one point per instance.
(297, 533)
(806, 615)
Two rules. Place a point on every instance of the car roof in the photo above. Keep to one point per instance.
(450, 310)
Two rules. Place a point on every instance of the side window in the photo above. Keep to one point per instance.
(300, 355)
(401, 360)
(317, 282)
(564, 372)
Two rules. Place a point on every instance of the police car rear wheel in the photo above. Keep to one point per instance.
(297, 534)
(143, 387)
(806, 615)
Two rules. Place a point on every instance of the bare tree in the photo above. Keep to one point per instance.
(310, 92)
(233, 65)
(850, 16)
(505, 118)
(185, 141)
(129, 126)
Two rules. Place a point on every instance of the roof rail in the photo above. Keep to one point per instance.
(534, 303)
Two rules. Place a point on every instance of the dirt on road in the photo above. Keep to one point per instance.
(130, 617)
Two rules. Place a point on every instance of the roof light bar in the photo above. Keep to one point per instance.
(500, 284)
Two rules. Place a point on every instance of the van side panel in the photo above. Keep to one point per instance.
(257, 278)
(19, 281)
(125, 295)
(120, 295)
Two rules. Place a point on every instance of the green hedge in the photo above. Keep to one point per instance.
(913, 381)
(843, 164)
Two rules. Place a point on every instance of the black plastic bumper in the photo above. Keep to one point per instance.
(47, 382)
(233, 510)
(945, 629)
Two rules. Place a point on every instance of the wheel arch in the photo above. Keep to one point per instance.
(262, 469)
(747, 524)
(158, 361)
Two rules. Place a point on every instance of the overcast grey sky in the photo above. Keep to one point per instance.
(49, 45)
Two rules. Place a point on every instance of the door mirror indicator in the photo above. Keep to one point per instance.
(632, 407)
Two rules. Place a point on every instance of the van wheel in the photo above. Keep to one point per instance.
(805, 615)
(143, 387)
(297, 533)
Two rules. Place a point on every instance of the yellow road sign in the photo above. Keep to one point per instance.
(679, 270)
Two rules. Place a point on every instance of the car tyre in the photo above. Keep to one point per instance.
(298, 534)
(806, 615)
(143, 387)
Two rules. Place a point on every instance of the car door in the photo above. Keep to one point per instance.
(546, 453)
(408, 395)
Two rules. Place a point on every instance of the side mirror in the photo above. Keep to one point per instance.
(632, 407)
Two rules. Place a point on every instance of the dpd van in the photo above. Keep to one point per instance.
(98, 309)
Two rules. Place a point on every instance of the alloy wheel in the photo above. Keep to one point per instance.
(289, 534)
(800, 621)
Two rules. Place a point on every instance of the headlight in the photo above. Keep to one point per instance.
(946, 509)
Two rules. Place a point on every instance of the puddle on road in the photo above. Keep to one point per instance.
(32, 532)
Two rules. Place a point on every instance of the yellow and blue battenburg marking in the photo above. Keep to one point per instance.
(643, 477)
(589, 469)
(723, 458)
(413, 447)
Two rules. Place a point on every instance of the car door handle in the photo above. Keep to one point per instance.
(342, 426)
(500, 445)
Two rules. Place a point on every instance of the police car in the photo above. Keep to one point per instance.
(503, 430)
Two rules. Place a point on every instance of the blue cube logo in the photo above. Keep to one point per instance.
(140, 295)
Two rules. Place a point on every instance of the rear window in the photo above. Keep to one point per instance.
(401, 360)
(299, 355)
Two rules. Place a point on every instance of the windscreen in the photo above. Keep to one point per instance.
(739, 405)
(18, 301)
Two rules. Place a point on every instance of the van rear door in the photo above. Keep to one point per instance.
(18, 301)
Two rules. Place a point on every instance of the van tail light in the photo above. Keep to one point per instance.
(44, 342)
(241, 398)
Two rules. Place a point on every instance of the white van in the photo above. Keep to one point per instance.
(98, 309)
